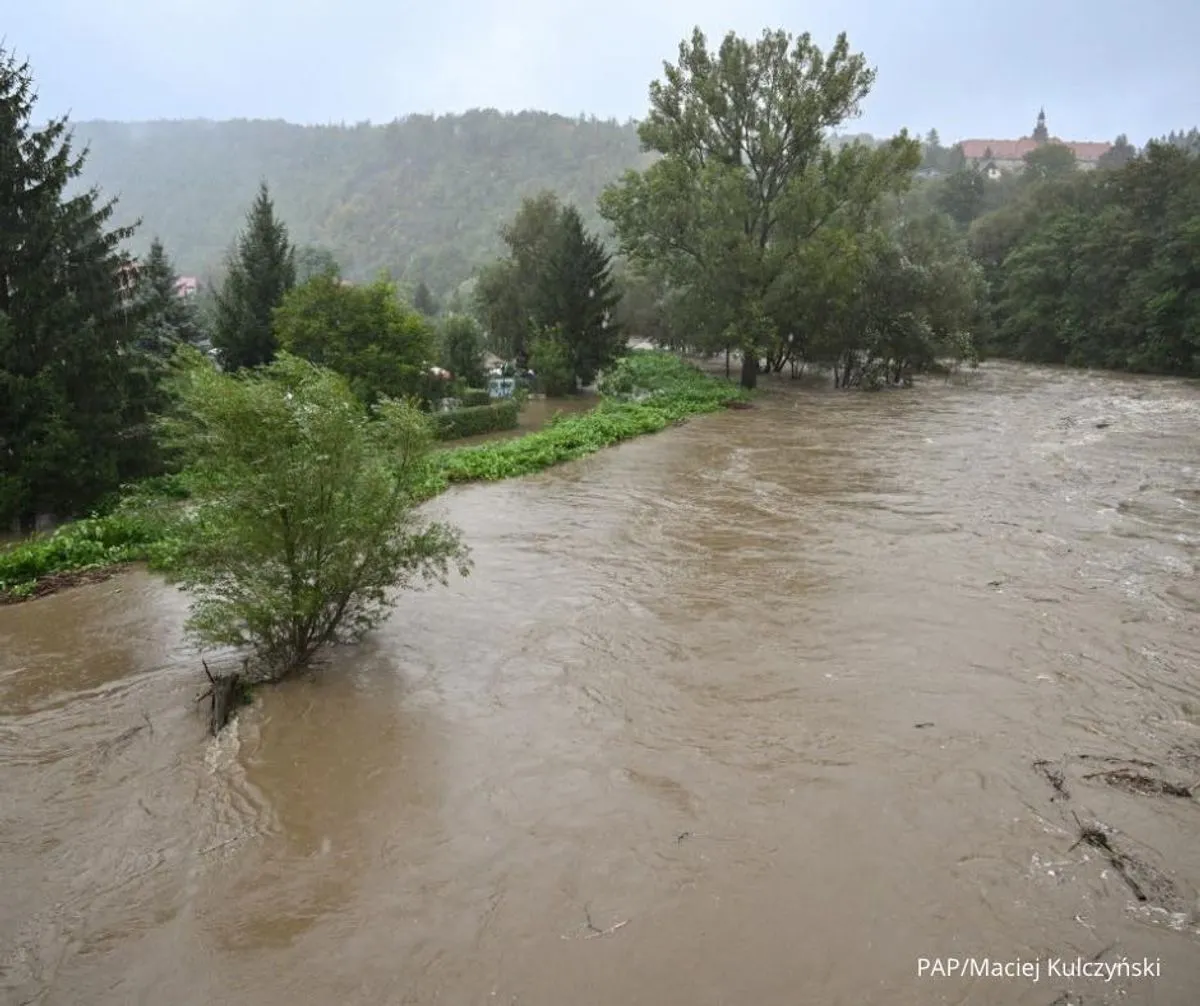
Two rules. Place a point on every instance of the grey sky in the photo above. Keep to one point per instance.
(967, 67)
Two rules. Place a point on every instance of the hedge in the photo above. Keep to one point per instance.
(472, 397)
(475, 419)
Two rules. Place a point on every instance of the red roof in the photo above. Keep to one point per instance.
(1014, 150)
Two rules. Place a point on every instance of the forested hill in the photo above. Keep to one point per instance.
(422, 197)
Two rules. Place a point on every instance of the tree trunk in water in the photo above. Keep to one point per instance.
(749, 370)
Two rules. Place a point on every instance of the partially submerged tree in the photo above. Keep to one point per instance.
(304, 523)
(261, 270)
(747, 178)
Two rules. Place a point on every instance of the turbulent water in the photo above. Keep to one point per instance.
(760, 710)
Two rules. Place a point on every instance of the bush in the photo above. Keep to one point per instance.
(303, 522)
(474, 420)
(473, 397)
(687, 392)
(83, 544)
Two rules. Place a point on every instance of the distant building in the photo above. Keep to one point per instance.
(994, 157)
(187, 286)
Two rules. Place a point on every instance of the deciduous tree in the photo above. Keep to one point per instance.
(304, 523)
(365, 333)
(746, 178)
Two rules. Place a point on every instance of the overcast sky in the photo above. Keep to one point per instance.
(977, 68)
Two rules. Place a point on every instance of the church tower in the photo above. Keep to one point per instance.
(1040, 133)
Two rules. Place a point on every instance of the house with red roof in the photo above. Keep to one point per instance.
(994, 157)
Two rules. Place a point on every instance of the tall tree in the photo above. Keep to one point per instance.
(460, 348)
(261, 270)
(574, 292)
(315, 260)
(746, 178)
(67, 321)
(1049, 161)
(424, 301)
(506, 293)
(1119, 154)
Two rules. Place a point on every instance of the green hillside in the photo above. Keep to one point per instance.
(422, 197)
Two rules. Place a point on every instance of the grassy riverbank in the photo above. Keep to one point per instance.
(644, 393)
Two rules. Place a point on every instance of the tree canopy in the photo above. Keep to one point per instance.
(261, 270)
(746, 178)
(72, 406)
(305, 520)
(380, 345)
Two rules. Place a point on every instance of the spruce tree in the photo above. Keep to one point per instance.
(261, 270)
(577, 296)
(424, 301)
(68, 398)
(167, 319)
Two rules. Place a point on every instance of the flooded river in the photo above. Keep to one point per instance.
(745, 713)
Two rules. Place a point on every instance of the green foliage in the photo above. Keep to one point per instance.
(644, 392)
(550, 360)
(961, 195)
(366, 333)
(556, 276)
(315, 260)
(746, 179)
(473, 420)
(460, 349)
(424, 301)
(423, 197)
(1049, 162)
(1100, 268)
(74, 392)
(165, 319)
(472, 397)
(575, 294)
(303, 521)
(647, 409)
(260, 272)
(90, 543)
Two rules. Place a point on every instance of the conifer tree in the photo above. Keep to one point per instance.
(577, 295)
(167, 319)
(68, 397)
(261, 270)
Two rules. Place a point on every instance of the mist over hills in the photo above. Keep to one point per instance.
(422, 197)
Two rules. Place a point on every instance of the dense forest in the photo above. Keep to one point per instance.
(422, 198)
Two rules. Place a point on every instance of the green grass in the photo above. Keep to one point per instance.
(644, 393)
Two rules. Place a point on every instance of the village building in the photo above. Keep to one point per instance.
(994, 157)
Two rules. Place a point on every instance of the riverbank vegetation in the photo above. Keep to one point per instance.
(643, 393)
(301, 523)
(763, 239)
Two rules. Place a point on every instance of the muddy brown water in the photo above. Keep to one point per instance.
(662, 746)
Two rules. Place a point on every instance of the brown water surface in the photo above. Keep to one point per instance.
(743, 713)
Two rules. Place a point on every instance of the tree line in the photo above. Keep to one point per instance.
(89, 335)
(1087, 268)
